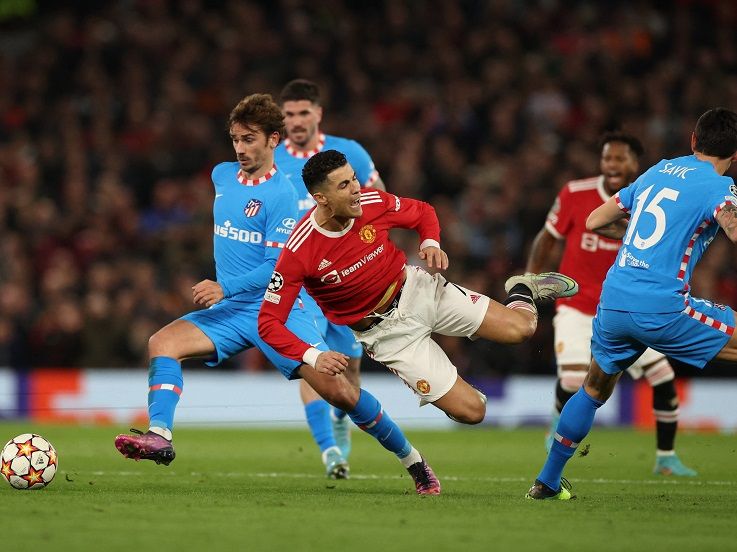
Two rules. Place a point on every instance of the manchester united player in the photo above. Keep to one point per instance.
(587, 256)
(342, 254)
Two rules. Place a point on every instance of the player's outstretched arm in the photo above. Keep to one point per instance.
(605, 215)
(545, 248)
(614, 230)
(727, 219)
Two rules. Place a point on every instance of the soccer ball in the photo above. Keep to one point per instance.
(28, 461)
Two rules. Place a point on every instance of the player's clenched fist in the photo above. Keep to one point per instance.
(207, 293)
(331, 362)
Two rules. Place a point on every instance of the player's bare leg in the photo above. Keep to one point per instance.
(515, 321)
(507, 325)
(463, 403)
(167, 348)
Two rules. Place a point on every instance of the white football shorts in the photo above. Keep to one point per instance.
(573, 342)
(428, 303)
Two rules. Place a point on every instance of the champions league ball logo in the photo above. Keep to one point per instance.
(276, 282)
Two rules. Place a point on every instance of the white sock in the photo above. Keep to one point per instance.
(325, 454)
(412, 458)
(164, 432)
(660, 453)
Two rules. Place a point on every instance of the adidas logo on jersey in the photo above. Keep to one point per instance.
(324, 264)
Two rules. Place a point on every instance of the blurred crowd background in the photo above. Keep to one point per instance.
(112, 115)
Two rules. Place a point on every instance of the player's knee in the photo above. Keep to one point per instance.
(476, 414)
(472, 410)
(158, 344)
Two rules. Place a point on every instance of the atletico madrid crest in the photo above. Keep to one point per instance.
(252, 208)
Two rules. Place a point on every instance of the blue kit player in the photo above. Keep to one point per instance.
(252, 209)
(302, 116)
(675, 210)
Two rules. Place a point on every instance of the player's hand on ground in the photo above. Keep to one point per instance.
(331, 362)
(436, 257)
(207, 293)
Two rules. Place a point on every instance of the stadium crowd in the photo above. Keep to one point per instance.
(113, 114)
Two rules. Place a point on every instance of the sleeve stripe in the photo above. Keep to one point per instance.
(550, 228)
(720, 207)
(620, 204)
(369, 201)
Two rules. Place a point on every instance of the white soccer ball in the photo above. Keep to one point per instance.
(28, 461)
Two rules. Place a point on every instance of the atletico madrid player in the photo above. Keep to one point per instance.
(587, 256)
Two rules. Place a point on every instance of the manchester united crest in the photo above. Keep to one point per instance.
(367, 233)
(423, 387)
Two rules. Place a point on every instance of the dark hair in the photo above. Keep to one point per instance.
(716, 133)
(300, 89)
(319, 166)
(624, 138)
(258, 110)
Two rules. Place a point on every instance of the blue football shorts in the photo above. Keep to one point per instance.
(232, 326)
(338, 338)
(694, 336)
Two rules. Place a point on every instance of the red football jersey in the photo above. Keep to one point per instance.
(587, 256)
(346, 272)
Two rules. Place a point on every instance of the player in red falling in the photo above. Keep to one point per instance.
(341, 253)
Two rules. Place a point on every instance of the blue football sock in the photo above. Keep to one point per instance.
(318, 419)
(369, 416)
(339, 414)
(575, 422)
(165, 385)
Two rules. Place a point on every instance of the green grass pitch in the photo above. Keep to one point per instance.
(248, 489)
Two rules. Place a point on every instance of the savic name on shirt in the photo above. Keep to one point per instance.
(672, 209)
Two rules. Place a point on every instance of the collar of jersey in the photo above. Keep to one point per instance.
(255, 181)
(305, 154)
(328, 233)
